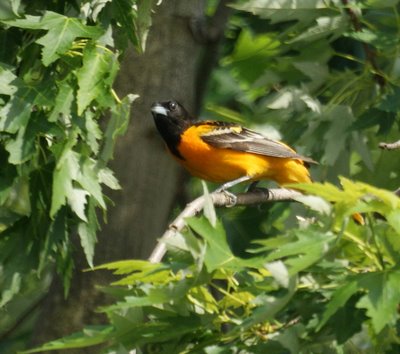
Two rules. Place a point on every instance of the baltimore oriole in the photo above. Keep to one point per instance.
(226, 152)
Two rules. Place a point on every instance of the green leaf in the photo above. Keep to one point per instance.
(338, 132)
(63, 102)
(298, 255)
(90, 336)
(315, 203)
(106, 176)
(393, 218)
(9, 9)
(29, 21)
(56, 234)
(117, 125)
(24, 145)
(62, 31)
(157, 276)
(138, 271)
(348, 321)
(88, 178)
(267, 307)
(93, 132)
(8, 80)
(331, 27)
(382, 3)
(65, 172)
(218, 254)
(384, 40)
(382, 298)
(338, 300)
(18, 198)
(129, 266)
(154, 295)
(251, 54)
(225, 113)
(77, 199)
(282, 11)
(97, 62)
(69, 170)
(127, 13)
(279, 271)
(143, 22)
(200, 296)
(306, 242)
(21, 148)
(15, 114)
(87, 233)
(10, 290)
(209, 210)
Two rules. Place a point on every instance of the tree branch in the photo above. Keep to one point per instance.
(219, 199)
(390, 146)
(369, 52)
(6, 335)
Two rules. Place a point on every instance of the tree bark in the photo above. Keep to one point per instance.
(149, 177)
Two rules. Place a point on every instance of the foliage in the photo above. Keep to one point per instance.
(59, 118)
(326, 75)
(309, 289)
(301, 68)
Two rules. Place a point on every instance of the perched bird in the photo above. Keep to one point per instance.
(226, 152)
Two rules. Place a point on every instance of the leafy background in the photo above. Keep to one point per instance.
(322, 75)
(56, 77)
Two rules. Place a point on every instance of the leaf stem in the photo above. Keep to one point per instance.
(114, 94)
(223, 291)
(364, 248)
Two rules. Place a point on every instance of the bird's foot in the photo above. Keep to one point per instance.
(253, 188)
(230, 197)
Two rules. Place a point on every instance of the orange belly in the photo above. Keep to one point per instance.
(224, 165)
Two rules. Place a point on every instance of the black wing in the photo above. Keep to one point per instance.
(238, 138)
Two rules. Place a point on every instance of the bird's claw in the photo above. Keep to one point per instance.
(230, 197)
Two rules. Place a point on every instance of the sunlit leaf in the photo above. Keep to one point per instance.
(62, 32)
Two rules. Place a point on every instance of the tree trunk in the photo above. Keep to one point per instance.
(149, 177)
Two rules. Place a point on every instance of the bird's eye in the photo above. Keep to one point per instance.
(172, 106)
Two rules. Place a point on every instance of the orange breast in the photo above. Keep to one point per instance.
(224, 165)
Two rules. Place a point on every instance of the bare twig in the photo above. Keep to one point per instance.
(368, 50)
(219, 199)
(390, 146)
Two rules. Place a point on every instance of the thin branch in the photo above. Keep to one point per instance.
(219, 199)
(390, 146)
(210, 33)
(369, 52)
(6, 335)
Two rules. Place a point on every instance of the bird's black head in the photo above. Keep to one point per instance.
(171, 111)
(171, 120)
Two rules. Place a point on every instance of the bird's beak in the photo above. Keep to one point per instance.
(157, 108)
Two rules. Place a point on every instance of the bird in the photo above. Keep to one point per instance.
(225, 152)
